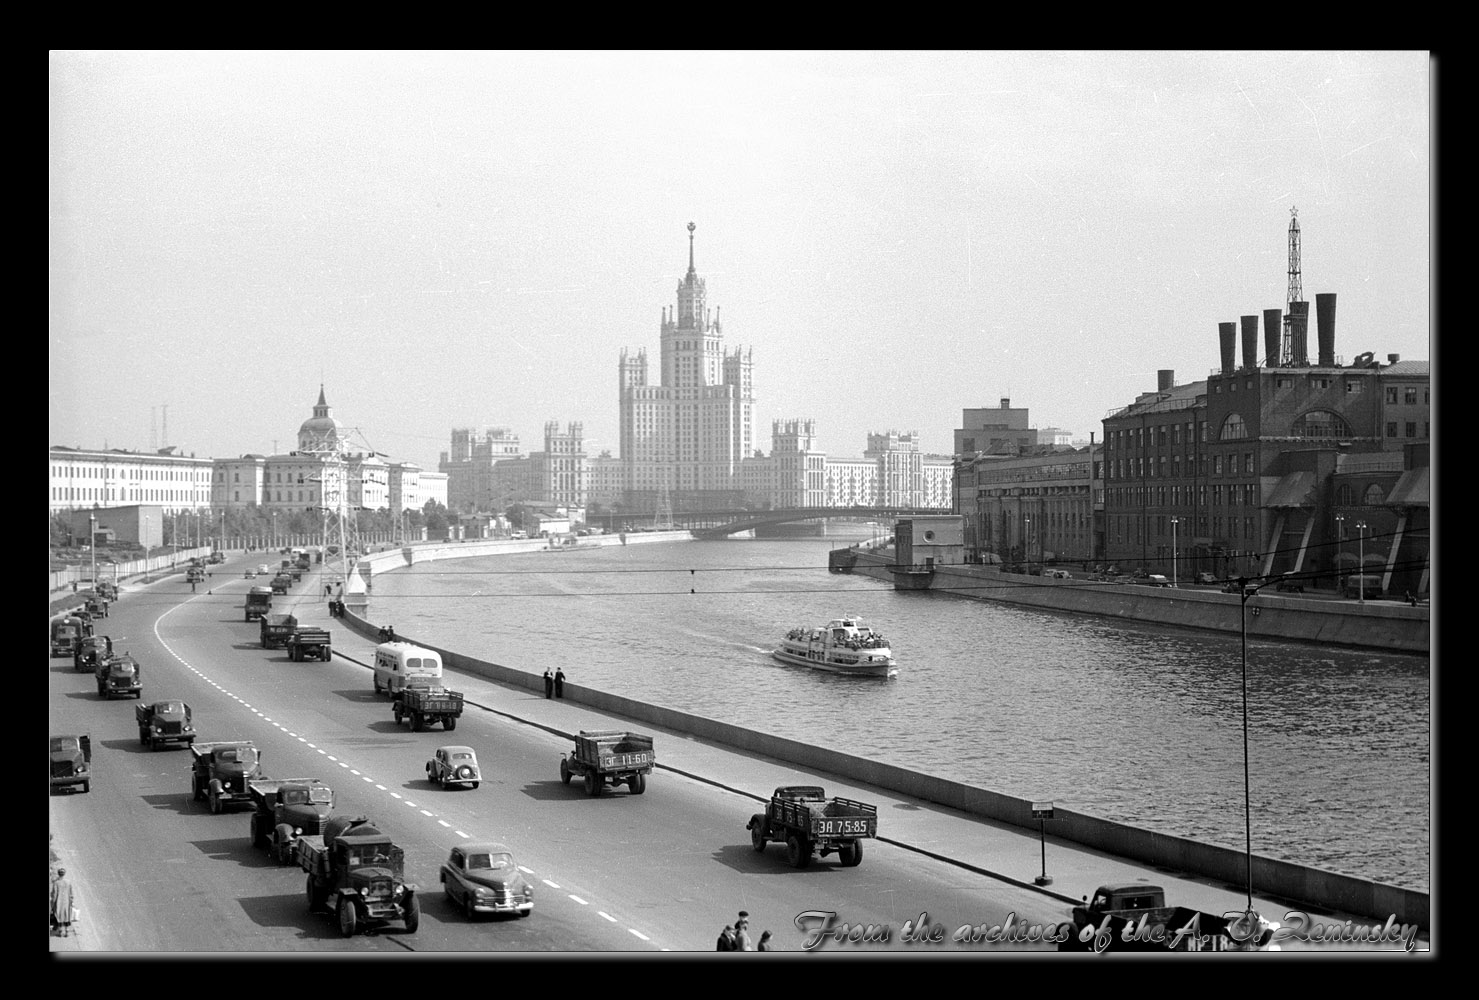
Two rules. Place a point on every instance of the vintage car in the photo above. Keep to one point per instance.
(249, 574)
(91, 651)
(454, 766)
(106, 589)
(195, 574)
(483, 878)
(264, 570)
(96, 606)
(1206, 579)
(215, 558)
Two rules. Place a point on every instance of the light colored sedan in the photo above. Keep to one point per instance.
(454, 766)
(483, 878)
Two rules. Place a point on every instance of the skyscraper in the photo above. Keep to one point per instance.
(689, 433)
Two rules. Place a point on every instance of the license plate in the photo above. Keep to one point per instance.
(842, 827)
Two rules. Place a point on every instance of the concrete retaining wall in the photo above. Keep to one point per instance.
(1386, 626)
(1279, 879)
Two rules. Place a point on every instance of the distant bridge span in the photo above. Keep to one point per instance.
(747, 520)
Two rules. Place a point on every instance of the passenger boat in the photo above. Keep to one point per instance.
(842, 646)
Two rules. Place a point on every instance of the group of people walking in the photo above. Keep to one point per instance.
(736, 936)
(554, 684)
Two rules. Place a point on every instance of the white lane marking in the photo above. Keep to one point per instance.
(607, 915)
(310, 745)
(382, 788)
(409, 803)
(356, 773)
(342, 764)
(639, 934)
(547, 882)
(460, 834)
(331, 757)
(579, 900)
(526, 871)
(424, 812)
(366, 777)
(443, 822)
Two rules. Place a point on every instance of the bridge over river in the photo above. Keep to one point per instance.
(719, 523)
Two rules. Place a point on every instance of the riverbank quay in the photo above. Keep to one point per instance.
(1389, 626)
(1111, 845)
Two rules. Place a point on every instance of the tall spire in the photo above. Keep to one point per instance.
(691, 228)
(321, 400)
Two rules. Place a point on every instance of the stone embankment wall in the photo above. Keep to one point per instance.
(1384, 625)
(1280, 879)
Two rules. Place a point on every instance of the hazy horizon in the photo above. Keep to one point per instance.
(471, 239)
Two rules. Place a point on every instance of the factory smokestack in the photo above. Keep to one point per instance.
(1165, 379)
(1250, 341)
(1299, 321)
(1227, 336)
(1273, 323)
(1325, 327)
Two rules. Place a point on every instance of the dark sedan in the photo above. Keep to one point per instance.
(483, 878)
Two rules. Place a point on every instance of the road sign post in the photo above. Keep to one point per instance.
(1042, 812)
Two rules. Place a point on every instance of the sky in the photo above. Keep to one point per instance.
(451, 240)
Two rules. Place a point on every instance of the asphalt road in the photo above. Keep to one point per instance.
(155, 871)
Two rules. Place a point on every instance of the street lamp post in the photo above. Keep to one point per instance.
(92, 546)
(1254, 921)
(1361, 560)
(1027, 540)
(1339, 548)
(1174, 521)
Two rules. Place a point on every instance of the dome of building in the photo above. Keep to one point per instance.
(321, 432)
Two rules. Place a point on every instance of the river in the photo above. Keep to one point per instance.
(1136, 723)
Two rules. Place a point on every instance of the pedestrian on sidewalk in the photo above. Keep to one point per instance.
(559, 682)
(328, 591)
(742, 933)
(764, 944)
(549, 683)
(726, 939)
(61, 903)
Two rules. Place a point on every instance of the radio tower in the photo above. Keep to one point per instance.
(1294, 316)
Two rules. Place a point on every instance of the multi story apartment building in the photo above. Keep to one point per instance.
(489, 474)
(1000, 431)
(1043, 504)
(118, 478)
(688, 433)
(893, 472)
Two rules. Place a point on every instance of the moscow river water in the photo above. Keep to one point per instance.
(1132, 722)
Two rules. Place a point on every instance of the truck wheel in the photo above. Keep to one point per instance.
(851, 855)
(195, 790)
(376, 682)
(564, 771)
(639, 784)
(348, 919)
(757, 833)
(312, 896)
(215, 803)
(398, 714)
(449, 723)
(592, 786)
(143, 737)
(327, 653)
(413, 914)
(798, 851)
(417, 723)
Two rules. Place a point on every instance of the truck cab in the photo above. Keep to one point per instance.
(358, 873)
(120, 677)
(281, 582)
(164, 722)
(90, 651)
(66, 632)
(258, 602)
(220, 772)
(286, 809)
(71, 760)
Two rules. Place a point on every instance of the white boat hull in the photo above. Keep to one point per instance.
(885, 668)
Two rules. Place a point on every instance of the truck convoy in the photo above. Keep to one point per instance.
(220, 771)
(427, 704)
(164, 722)
(258, 602)
(119, 677)
(71, 760)
(357, 873)
(610, 756)
(286, 809)
(805, 820)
